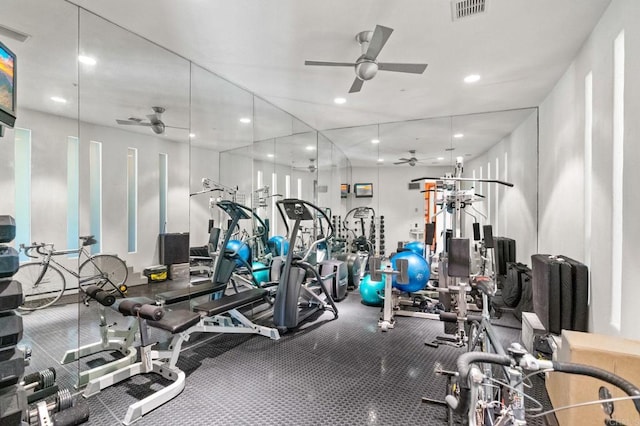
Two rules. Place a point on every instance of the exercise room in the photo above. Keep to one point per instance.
(294, 212)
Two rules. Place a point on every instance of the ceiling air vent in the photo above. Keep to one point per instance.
(465, 8)
(414, 185)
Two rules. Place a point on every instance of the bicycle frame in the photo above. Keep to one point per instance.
(49, 257)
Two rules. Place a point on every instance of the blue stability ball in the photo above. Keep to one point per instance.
(260, 272)
(372, 292)
(418, 271)
(415, 246)
(243, 250)
(279, 244)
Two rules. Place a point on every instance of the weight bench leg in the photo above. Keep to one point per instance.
(86, 376)
(166, 394)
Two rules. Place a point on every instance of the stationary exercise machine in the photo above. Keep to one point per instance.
(297, 296)
(454, 275)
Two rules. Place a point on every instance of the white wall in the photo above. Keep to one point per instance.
(516, 215)
(204, 164)
(402, 208)
(49, 183)
(561, 184)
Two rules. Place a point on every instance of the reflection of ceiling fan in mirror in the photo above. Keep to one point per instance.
(310, 168)
(412, 161)
(155, 121)
(366, 66)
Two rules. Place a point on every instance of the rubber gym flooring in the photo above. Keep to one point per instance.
(328, 372)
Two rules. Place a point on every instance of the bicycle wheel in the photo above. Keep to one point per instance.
(40, 289)
(102, 269)
(475, 341)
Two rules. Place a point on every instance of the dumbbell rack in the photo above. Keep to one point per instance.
(18, 393)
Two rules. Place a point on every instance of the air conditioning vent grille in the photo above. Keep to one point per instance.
(465, 8)
(414, 185)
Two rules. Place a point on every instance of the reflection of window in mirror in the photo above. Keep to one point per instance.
(23, 187)
(95, 194)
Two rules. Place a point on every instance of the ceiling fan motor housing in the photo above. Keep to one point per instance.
(366, 68)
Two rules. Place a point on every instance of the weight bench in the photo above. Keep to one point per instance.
(111, 340)
(207, 318)
(188, 293)
(151, 361)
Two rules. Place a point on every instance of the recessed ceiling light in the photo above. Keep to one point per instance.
(440, 158)
(245, 120)
(59, 99)
(472, 78)
(375, 140)
(310, 147)
(270, 155)
(340, 101)
(458, 135)
(192, 135)
(380, 160)
(87, 60)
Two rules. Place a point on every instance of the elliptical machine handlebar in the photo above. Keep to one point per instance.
(298, 214)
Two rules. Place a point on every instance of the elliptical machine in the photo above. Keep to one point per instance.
(297, 297)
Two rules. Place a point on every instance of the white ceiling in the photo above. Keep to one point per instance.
(519, 47)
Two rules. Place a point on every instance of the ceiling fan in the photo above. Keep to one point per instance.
(310, 168)
(412, 161)
(366, 66)
(155, 121)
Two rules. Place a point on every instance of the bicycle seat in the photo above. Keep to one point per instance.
(88, 240)
(484, 284)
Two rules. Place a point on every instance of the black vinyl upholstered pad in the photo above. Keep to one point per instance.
(188, 293)
(176, 321)
(226, 303)
(546, 291)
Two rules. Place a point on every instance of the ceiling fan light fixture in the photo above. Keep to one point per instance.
(472, 78)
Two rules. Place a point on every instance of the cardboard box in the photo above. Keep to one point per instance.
(617, 355)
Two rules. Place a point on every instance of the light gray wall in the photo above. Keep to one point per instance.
(402, 208)
(561, 184)
(204, 164)
(49, 184)
(516, 215)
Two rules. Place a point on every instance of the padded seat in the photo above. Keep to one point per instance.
(188, 293)
(176, 321)
(227, 303)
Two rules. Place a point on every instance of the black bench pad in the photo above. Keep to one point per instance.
(188, 293)
(233, 301)
(176, 321)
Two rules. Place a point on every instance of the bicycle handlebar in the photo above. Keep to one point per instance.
(527, 362)
(38, 248)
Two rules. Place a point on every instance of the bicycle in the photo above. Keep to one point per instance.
(469, 396)
(43, 283)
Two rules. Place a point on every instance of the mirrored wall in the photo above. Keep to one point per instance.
(121, 139)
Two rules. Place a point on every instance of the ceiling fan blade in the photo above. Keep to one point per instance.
(330, 64)
(176, 127)
(153, 117)
(132, 123)
(410, 68)
(380, 36)
(401, 162)
(405, 159)
(356, 86)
